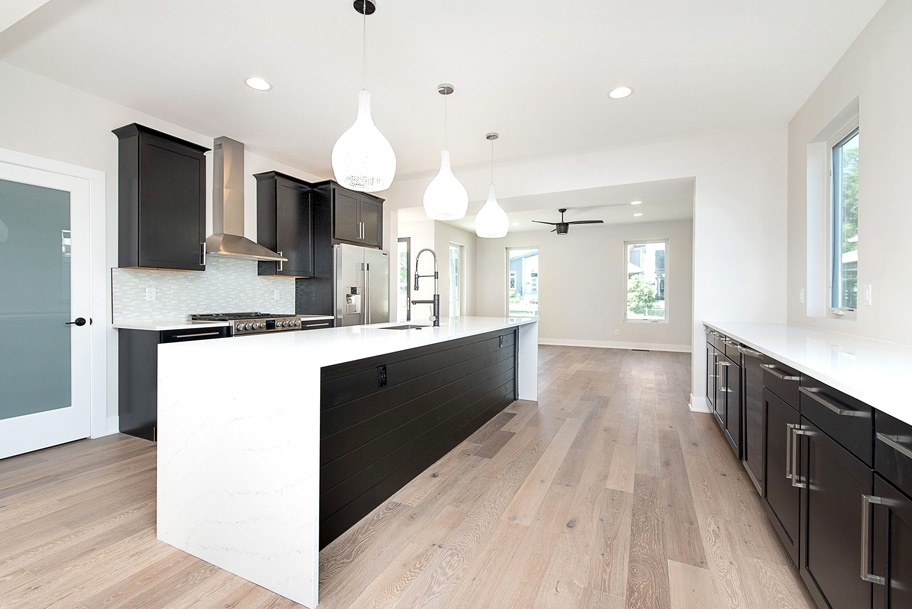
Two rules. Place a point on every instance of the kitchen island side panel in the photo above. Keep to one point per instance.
(386, 419)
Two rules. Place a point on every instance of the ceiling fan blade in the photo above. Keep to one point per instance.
(586, 222)
(543, 222)
(553, 230)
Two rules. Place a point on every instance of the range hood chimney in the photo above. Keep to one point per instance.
(228, 206)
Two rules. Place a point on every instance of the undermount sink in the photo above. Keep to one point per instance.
(404, 327)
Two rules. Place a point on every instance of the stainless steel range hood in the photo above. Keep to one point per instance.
(228, 206)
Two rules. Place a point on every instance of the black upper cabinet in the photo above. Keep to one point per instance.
(357, 217)
(285, 224)
(162, 200)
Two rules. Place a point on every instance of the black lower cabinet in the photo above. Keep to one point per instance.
(384, 420)
(892, 546)
(833, 482)
(781, 499)
(752, 442)
(138, 375)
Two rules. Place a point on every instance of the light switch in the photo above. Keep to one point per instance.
(869, 294)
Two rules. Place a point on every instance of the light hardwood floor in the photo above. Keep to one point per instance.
(608, 493)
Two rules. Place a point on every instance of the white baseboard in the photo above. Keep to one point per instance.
(605, 344)
(699, 404)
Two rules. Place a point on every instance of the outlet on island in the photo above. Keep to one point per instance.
(150, 295)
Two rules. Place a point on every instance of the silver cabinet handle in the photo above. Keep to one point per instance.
(789, 438)
(309, 326)
(796, 477)
(197, 335)
(281, 264)
(893, 442)
(203, 253)
(722, 363)
(782, 377)
(814, 394)
(749, 352)
(866, 502)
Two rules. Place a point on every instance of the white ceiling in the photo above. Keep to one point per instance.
(537, 71)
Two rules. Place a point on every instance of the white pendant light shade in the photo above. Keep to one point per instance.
(362, 158)
(492, 221)
(445, 198)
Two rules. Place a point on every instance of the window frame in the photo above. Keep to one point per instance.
(839, 138)
(626, 279)
(460, 278)
(518, 281)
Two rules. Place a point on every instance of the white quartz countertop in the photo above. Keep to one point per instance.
(161, 325)
(330, 346)
(872, 371)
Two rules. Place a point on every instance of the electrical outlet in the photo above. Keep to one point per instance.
(617, 332)
(276, 295)
(801, 296)
(150, 294)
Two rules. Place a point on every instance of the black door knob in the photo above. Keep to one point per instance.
(79, 321)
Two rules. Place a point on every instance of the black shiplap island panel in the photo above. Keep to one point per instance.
(378, 431)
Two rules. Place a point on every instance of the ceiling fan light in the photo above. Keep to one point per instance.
(362, 158)
(445, 198)
(492, 221)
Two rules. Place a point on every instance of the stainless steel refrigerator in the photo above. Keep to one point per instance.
(361, 293)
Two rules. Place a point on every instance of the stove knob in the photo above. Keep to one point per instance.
(262, 325)
(239, 327)
(297, 323)
(248, 326)
(280, 324)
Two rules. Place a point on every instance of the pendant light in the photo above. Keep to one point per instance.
(492, 221)
(445, 198)
(362, 158)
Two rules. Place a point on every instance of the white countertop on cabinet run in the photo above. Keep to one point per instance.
(871, 370)
(239, 440)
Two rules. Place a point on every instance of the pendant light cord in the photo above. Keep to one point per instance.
(492, 160)
(364, 45)
(445, 121)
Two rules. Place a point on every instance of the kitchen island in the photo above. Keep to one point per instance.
(239, 438)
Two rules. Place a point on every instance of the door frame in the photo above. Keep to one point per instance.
(98, 288)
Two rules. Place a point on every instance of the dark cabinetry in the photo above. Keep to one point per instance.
(285, 224)
(357, 217)
(752, 449)
(138, 375)
(723, 386)
(780, 497)
(384, 420)
(162, 200)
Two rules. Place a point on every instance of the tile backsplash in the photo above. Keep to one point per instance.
(226, 285)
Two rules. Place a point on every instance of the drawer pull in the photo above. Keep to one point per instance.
(749, 352)
(197, 335)
(866, 502)
(796, 477)
(771, 368)
(814, 394)
(893, 442)
(325, 323)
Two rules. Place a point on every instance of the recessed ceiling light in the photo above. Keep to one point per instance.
(638, 214)
(636, 202)
(620, 92)
(255, 82)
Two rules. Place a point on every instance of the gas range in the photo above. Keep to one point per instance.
(251, 322)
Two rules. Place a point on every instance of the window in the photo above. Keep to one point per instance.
(404, 251)
(843, 219)
(455, 280)
(522, 282)
(646, 281)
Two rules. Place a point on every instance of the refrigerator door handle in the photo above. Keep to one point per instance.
(367, 292)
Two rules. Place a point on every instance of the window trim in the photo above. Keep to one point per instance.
(519, 280)
(627, 244)
(841, 136)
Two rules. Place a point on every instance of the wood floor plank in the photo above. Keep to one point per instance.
(622, 470)
(647, 574)
(495, 442)
(691, 587)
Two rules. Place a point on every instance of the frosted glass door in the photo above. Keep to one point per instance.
(44, 345)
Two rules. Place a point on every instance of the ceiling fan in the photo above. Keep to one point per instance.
(562, 227)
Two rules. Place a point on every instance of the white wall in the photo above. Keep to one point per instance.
(50, 120)
(582, 284)
(739, 214)
(875, 70)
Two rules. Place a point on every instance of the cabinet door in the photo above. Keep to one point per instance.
(711, 376)
(172, 187)
(892, 552)
(371, 221)
(833, 482)
(780, 498)
(721, 388)
(733, 406)
(345, 215)
(752, 442)
(294, 229)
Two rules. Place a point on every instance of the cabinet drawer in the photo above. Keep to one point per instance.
(893, 451)
(781, 380)
(731, 350)
(842, 417)
(317, 324)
